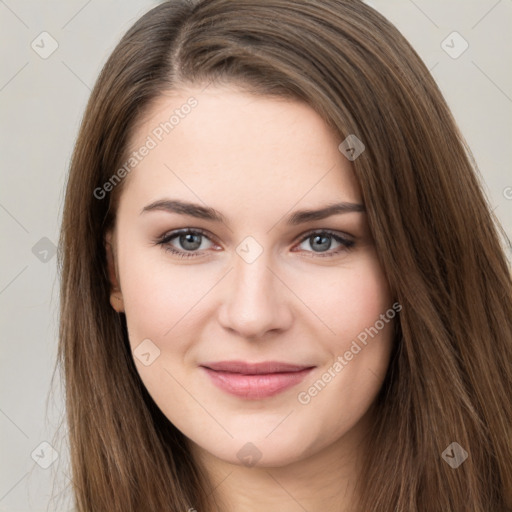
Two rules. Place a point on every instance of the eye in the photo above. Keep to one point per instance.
(321, 242)
(191, 242)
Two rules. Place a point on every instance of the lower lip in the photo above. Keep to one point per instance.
(256, 386)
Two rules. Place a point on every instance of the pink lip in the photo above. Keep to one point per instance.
(255, 380)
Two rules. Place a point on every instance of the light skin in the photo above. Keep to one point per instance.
(256, 160)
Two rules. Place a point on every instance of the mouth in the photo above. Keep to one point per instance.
(255, 380)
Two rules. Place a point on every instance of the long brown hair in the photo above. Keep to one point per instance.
(450, 376)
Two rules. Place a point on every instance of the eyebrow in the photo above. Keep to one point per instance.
(205, 212)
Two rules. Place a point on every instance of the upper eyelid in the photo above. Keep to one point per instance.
(176, 232)
(300, 238)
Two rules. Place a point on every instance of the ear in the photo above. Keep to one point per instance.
(116, 296)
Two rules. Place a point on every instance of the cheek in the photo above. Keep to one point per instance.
(348, 299)
(360, 312)
(157, 296)
(366, 296)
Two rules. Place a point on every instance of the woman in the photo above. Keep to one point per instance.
(282, 287)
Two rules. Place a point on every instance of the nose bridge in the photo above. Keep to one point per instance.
(252, 279)
(254, 302)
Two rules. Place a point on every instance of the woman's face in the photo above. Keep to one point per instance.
(256, 282)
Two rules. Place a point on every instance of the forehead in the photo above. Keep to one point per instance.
(226, 144)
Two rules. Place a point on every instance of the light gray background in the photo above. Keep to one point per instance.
(42, 101)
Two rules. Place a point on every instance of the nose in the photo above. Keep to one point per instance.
(256, 301)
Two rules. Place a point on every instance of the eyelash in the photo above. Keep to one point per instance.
(164, 241)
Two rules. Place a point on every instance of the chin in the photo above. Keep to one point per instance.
(255, 450)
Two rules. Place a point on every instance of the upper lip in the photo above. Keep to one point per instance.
(255, 368)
